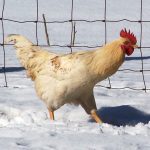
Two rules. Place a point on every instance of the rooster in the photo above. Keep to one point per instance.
(70, 78)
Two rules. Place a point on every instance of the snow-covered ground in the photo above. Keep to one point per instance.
(24, 120)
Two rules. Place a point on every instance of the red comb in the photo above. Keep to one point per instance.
(128, 35)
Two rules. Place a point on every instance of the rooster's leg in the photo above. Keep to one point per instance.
(95, 116)
(51, 114)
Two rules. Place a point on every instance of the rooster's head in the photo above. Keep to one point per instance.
(129, 42)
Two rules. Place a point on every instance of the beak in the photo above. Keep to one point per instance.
(135, 46)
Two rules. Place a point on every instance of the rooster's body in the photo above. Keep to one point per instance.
(61, 79)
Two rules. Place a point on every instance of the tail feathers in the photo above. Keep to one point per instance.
(18, 40)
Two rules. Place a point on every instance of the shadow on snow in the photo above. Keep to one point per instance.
(123, 115)
(137, 58)
(11, 69)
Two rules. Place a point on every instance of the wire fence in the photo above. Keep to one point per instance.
(73, 31)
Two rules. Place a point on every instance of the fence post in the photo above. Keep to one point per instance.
(4, 54)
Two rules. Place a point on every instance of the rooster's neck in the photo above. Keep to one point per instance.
(107, 60)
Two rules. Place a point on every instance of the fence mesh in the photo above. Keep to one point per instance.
(72, 44)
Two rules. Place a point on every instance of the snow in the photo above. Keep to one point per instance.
(24, 120)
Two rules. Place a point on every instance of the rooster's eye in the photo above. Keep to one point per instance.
(126, 42)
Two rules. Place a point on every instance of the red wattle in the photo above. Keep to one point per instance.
(130, 51)
(127, 49)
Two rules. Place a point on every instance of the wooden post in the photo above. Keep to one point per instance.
(46, 33)
(74, 33)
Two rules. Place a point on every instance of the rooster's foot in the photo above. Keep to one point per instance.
(95, 116)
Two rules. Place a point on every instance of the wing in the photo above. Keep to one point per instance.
(64, 67)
